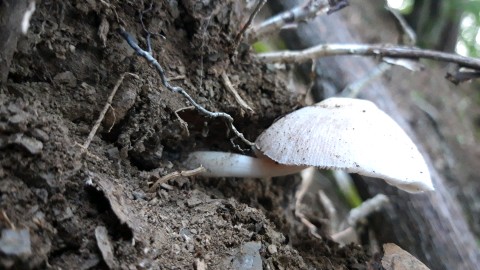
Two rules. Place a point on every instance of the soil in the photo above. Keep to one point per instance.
(93, 209)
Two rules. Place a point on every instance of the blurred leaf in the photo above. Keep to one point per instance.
(260, 47)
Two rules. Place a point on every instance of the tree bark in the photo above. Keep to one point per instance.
(430, 226)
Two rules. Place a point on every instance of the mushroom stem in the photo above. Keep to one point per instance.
(222, 164)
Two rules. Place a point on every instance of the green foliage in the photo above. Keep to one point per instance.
(352, 197)
(405, 6)
(469, 36)
(261, 47)
(436, 23)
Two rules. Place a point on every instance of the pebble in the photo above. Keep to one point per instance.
(15, 242)
(272, 249)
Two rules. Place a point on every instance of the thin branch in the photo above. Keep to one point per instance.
(366, 208)
(242, 31)
(228, 84)
(410, 37)
(5, 218)
(174, 175)
(95, 127)
(309, 10)
(381, 50)
(177, 89)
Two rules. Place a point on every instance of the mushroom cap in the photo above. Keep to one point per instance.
(347, 134)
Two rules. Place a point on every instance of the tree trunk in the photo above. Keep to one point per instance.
(431, 225)
(436, 23)
(11, 15)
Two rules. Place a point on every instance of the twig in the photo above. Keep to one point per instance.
(114, 118)
(177, 89)
(366, 208)
(330, 210)
(408, 32)
(7, 220)
(176, 174)
(408, 37)
(462, 75)
(202, 50)
(183, 123)
(305, 185)
(309, 10)
(346, 236)
(177, 78)
(228, 84)
(325, 50)
(105, 109)
(255, 11)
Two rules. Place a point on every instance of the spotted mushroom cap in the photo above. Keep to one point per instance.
(347, 134)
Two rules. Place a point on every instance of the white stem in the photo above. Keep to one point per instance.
(222, 164)
(366, 208)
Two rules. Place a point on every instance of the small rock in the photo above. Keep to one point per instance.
(42, 194)
(15, 242)
(63, 214)
(173, 8)
(139, 195)
(19, 118)
(186, 234)
(40, 134)
(193, 201)
(200, 264)
(272, 249)
(32, 145)
(67, 78)
(395, 258)
(113, 153)
(105, 246)
(103, 30)
(163, 194)
(248, 257)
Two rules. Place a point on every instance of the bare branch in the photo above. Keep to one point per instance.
(177, 89)
(309, 10)
(381, 50)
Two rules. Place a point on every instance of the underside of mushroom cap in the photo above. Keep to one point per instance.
(347, 134)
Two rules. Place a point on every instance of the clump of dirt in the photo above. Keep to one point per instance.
(92, 208)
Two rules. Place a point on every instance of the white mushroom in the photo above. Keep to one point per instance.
(338, 133)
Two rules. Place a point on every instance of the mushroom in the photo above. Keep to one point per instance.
(338, 133)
